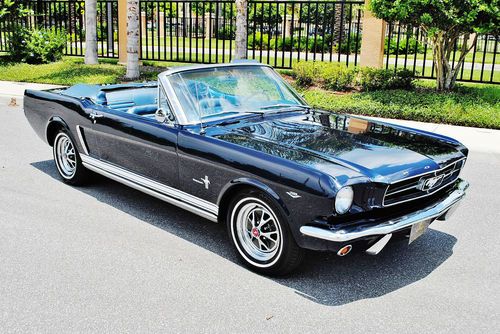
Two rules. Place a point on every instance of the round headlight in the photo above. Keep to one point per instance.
(343, 200)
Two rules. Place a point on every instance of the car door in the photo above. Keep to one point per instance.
(139, 144)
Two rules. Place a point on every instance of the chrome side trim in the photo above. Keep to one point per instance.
(80, 138)
(355, 232)
(168, 194)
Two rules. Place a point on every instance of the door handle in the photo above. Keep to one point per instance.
(93, 116)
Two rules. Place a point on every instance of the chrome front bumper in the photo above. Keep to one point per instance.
(441, 211)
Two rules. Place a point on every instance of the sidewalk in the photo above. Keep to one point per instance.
(476, 139)
(16, 89)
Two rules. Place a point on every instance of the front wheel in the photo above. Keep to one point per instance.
(260, 233)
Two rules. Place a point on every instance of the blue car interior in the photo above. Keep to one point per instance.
(138, 99)
(142, 99)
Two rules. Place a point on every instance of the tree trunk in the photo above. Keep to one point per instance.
(443, 45)
(91, 32)
(241, 45)
(337, 23)
(132, 39)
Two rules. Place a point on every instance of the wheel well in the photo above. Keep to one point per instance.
(229, 194)
(52, 130)
(226, 199)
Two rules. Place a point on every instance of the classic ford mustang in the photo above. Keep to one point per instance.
(235, 144)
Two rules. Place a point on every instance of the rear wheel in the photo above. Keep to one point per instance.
(260, 233)
(68, 161)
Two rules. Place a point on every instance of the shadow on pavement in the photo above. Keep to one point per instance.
(323, 278)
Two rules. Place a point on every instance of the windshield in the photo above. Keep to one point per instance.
(222, 92)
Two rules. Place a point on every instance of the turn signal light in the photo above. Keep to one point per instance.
(344, 250)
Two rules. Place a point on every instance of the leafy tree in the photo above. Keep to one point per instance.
(13, 9)
(224, 10)
(265, 17)
(444, 22)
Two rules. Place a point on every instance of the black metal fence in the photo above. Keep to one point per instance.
(406, 47)
(280, 33)
(69, 16)
(187, 31)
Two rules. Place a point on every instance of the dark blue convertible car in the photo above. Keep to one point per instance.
(235, 144)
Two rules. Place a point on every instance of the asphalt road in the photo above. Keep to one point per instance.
(106, 258)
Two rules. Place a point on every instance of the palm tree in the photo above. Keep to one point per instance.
(240, 51)
(132, 39)
(91, 32)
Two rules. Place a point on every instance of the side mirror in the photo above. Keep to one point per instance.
(160, 115)
(164, 116)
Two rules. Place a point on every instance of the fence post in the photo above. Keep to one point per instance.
(287, 25)
(208, 25)
(144, 24)
(373, 38)
(122, 31)
(161, 24)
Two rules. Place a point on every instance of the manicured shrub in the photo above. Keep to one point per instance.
(320, 44)
(301, 45)
(282, 44)
(315, 45)
(400, 49)
(350, 45)
(260, 39)
(403, 79)
(337, 76)
(37, 46)
(371, 79)
(306, 73)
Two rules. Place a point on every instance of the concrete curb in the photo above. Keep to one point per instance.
(477, 139)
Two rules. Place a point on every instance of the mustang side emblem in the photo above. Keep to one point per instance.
(293, 194)
(427, 184)
(204, 181)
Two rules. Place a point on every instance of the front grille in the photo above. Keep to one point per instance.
(422, 185)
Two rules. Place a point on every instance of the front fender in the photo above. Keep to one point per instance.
(246, 181)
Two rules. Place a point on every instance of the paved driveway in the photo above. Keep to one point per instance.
(106, 258)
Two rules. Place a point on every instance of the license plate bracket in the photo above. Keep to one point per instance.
(418, 229)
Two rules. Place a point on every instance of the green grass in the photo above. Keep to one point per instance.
(488, 57)
(475, 105)
(72, 70)
(66, 72)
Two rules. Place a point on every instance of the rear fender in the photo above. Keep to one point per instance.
(53, 125)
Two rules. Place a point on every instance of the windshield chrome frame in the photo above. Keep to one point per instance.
(177, 108)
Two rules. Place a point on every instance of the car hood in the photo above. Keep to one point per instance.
(383, 152)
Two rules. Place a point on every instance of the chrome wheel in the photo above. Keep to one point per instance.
(65, 155)
(258, 230)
